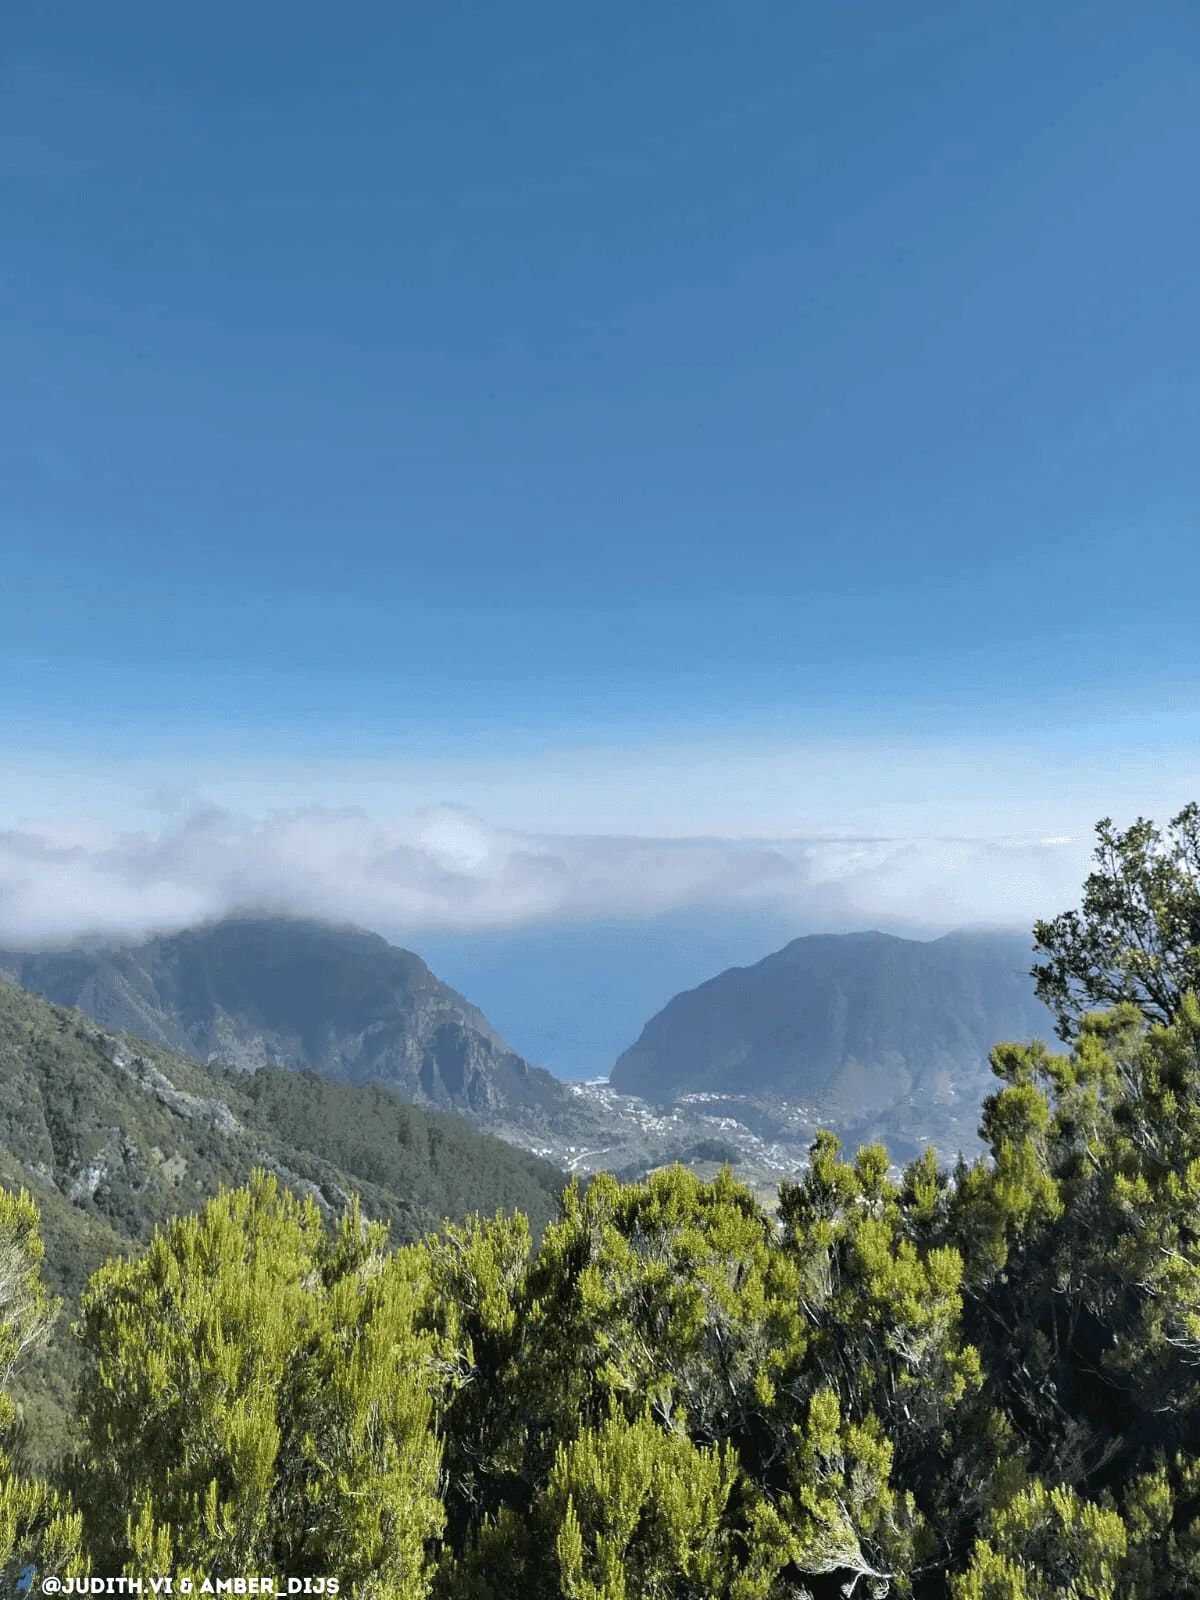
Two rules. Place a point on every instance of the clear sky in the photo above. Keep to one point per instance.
(766, 422)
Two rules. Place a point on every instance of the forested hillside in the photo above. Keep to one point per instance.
(114, 1137)
(880, 1038)
(280, 991)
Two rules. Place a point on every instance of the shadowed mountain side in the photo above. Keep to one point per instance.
(877, 1037)
(251, 994)
(280, 991)
(853, 1023)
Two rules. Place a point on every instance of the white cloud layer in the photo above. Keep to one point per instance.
(447, 868)
(921, 835)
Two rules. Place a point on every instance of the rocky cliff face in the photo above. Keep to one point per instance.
(278, 991)
(882, 1037)
(252, 993)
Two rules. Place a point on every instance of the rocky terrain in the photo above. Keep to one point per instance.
(879, 1038)
(250, 992)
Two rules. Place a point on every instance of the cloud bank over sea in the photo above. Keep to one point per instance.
(449, 869)
(802, 835)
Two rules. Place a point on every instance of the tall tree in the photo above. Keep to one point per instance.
(260, 1399)
(38, 1526)
(1136, 937)
(1081, 1241)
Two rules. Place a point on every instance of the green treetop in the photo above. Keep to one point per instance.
(1136, 937)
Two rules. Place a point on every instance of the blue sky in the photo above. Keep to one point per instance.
(713, 422)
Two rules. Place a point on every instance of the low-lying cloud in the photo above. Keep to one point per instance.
(449, 869)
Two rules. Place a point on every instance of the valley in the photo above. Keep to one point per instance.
(879, 1038)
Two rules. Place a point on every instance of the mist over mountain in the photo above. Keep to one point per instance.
(878, 1037)
(250, 992)
(871, 1028)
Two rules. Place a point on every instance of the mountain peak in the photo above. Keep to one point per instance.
(864, 1025)
(257, 990)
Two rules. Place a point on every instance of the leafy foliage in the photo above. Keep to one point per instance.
(1136, 938)
(1044, 1544)
(36, 1522)
(279, 1393)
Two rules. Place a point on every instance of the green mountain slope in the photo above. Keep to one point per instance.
(251, 992)
(114, 1135)
(261, 992)
(876, 1037)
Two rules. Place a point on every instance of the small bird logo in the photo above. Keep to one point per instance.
(25, 1579)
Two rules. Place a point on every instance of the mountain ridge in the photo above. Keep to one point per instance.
(881, 1038)
(860, 1024)
(252, 991)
